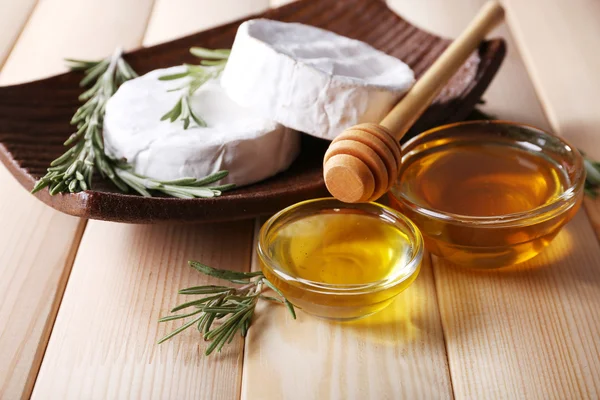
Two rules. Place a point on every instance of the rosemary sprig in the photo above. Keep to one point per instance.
(184, 188)
(212, 64)
(73, 171)
(232, 306)
(592, 178)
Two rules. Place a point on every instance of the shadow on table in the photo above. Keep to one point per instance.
(570, 257)
(413, 316)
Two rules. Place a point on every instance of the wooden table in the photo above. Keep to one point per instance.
(79, 300)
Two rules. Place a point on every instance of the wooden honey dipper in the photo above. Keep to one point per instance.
(362, 163)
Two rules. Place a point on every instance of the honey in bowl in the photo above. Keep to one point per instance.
(341, 248)
(340, 261)
(488, 194)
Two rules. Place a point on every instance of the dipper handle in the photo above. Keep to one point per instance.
(421, 95)
(362, 163)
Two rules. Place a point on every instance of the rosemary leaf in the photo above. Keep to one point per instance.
(198, 303)
(592, 177)
(204, 289)
(178, 330)
(211, 66)
(173, 76)
(223, 274)
(217, 176)
(216, 54)
(271, 298)
(289, 305)
(179, 316)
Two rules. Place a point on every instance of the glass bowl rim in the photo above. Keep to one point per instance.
(558, 205)
(269, 262)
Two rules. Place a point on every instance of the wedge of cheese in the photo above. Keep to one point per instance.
(312, 80)
(250, 147)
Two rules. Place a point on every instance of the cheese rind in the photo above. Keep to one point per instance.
(250, 147)
(312, 80)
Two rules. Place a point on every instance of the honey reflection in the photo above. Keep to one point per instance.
(399, 322)
(555, 251)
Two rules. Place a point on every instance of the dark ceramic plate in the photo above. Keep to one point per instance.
(31, 134)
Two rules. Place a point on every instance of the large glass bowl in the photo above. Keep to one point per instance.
(501, 240)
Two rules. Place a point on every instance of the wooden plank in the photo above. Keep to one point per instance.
(278, 3)
(396, 353)
(125, 277)
(560, 51)
(449, 20)
(176, 18)
(12, 20)
(74, 28)
(134, 273)
(530, 331)
(38, 244)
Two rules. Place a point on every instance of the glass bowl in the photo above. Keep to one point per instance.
(499, 240)
(340, 261)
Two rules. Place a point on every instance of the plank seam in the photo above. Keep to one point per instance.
(56, 303)
(18, 37)
(33, 374)
(253, 256)
(437, 300)
(148, 19)
(541, 97)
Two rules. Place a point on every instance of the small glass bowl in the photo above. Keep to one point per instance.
(493, 241)
(338, 301)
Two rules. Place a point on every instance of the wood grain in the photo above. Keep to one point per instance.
(74, 28)
(560, 51)
(12, 20)
(38, 246)
(125, 277)
(397, 353)
(172, 19)
(38, 243)
(529, 331)
(511, 94)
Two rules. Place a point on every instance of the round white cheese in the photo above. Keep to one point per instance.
(250, 147)
(310, 79)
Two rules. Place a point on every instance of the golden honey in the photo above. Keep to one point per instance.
(482, 180)
(485, 196)
(342, 248)
(341, 263)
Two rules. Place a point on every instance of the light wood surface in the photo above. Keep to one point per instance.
(103, 345)
(172, 19)
(12, 20)
(396, 353)
(38, 244)
(560, 53)
(511, 81)
(530, 331)
(71, 28)
(399, 120)
(527, 332)
(36, 254)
